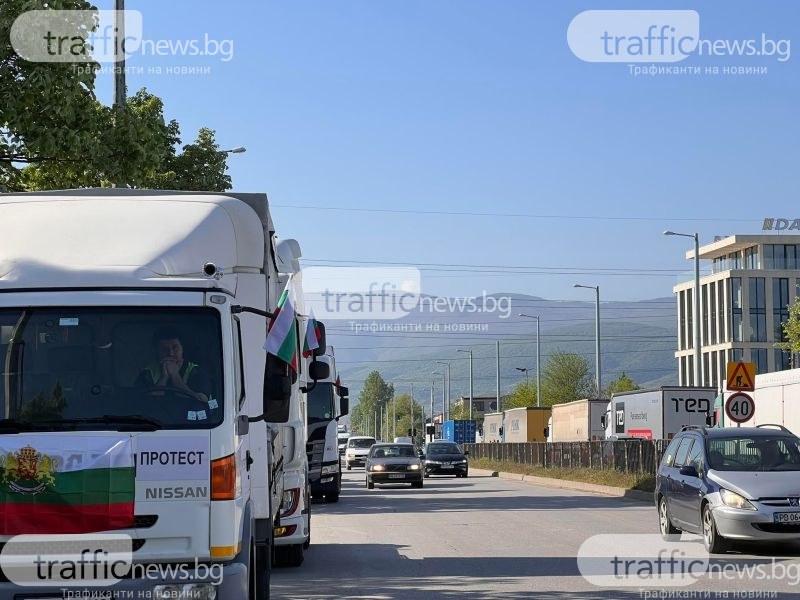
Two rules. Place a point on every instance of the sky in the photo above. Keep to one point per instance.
(456, 133)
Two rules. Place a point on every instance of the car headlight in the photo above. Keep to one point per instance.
(200, 591)
(377, 468)
(330, 470)
(463, 460)
(735, 500)
(413, 467)
(350, 453)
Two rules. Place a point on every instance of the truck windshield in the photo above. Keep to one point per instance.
(110, 368)
(320, 403)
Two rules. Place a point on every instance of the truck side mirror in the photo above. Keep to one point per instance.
(318, 370)
(344, 405)
(321, 340)
(603, 421)
(546, 432)
(278, 380)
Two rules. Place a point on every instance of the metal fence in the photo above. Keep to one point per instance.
(629, 456)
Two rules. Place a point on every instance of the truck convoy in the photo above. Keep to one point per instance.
(138, 397)
(578, 421)
(658, 414)
(327, 402)
(526, 424)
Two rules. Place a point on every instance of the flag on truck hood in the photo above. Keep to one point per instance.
(66, 483)
(282, 333)
(313, 335)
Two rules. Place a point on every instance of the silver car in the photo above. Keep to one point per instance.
(730, 484)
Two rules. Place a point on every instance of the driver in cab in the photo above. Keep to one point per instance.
(171, 369)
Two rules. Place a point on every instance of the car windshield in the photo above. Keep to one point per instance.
(754, 454)
(68, 368)
(393, 452)
(435, 449)
(361, 443)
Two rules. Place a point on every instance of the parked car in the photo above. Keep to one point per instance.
(393, 463)
(357, 449)
(729, 484)
(445, 458)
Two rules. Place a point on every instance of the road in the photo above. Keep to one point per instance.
(480, 537)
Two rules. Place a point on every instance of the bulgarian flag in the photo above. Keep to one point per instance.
(313, 335)
(67, 483)
(282, 333)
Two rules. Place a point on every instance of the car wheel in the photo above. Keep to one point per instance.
(712, 540)
(370, 485)
(331, 498)
(349, 467)
(426, 475)
(668, 530)
(417, 484)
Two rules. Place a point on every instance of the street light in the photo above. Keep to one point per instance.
(697, 349)
(446, 391)
(470, 381)
(596, 289)
(433, 387)
(237, 150)
(538, 363)
(523, 370)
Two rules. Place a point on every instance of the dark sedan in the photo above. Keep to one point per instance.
(393, 463)
(445, 458)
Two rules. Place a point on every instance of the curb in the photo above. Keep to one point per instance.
(567, 484)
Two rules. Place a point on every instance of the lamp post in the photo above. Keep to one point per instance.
(433, 387)
(524, 370)
(470, 381)
(237, 150)
(596, 289)
(698, 351)
(538, 359)
(446, 391)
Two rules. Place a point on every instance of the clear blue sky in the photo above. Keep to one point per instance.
(480, 106)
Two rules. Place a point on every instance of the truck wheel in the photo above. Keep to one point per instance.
(260, 571)
(289, 556)
(307, 543)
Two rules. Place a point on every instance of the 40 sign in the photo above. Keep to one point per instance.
(740, 407)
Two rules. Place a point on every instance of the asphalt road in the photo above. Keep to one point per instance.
(485, 537)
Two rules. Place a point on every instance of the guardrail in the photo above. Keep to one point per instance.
(629, 456)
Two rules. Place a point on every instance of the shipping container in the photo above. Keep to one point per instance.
(461, 431)
(527, 424)
(579, 421)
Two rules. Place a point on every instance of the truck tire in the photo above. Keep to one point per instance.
(308, 509)
(289, 556)
(260, 571)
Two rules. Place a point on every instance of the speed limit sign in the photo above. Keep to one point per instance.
(739, 407)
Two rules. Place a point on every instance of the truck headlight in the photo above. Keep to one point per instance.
(330, 470)
(735, 500)
(196, 591)
(291, 498)
(377, 468)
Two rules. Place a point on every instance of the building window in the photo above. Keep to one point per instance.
(690, 319)
(736, 308)
(706, 369)
(682, 370)
(760, 358)
(713, 323)
(714, 369)
(705, 315)
(737, 354)
(783, 360)
(682, 318)
(751, 258)
(734, 260)
(758, 310)
(478, 406)
(780, 307)
(780, 256)
(690, 369)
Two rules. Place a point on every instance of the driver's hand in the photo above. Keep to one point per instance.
(171, 368)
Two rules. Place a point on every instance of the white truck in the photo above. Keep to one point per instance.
(577, 421)
(658, 414)
(137, 396)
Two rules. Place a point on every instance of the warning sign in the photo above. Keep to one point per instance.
(742, 376)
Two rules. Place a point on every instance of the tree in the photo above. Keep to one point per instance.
(375, 395)
(622, 384)
(565, 378)
(400, 407)
(791, 329)
(523, 395)
(51, 121)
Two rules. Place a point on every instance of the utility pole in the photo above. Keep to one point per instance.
(412, 413)
(394, 418)
(470, 381)
(433, 385)
(499, 407)
(119, 54)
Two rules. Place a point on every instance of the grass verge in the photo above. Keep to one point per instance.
(612, 477)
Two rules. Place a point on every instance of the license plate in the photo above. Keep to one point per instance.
(397, 476)
(790, 517)
(447, 466)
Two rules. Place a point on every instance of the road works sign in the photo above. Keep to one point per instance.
(741, 376)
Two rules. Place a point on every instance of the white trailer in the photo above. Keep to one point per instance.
(658, 414)
(89, 280)
(775, 399)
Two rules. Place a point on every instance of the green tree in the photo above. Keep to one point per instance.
(523, 395)
(791, 328)
(401, 406)
(622, 384)
(374, 396)
(51, 121)
(565, 377)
